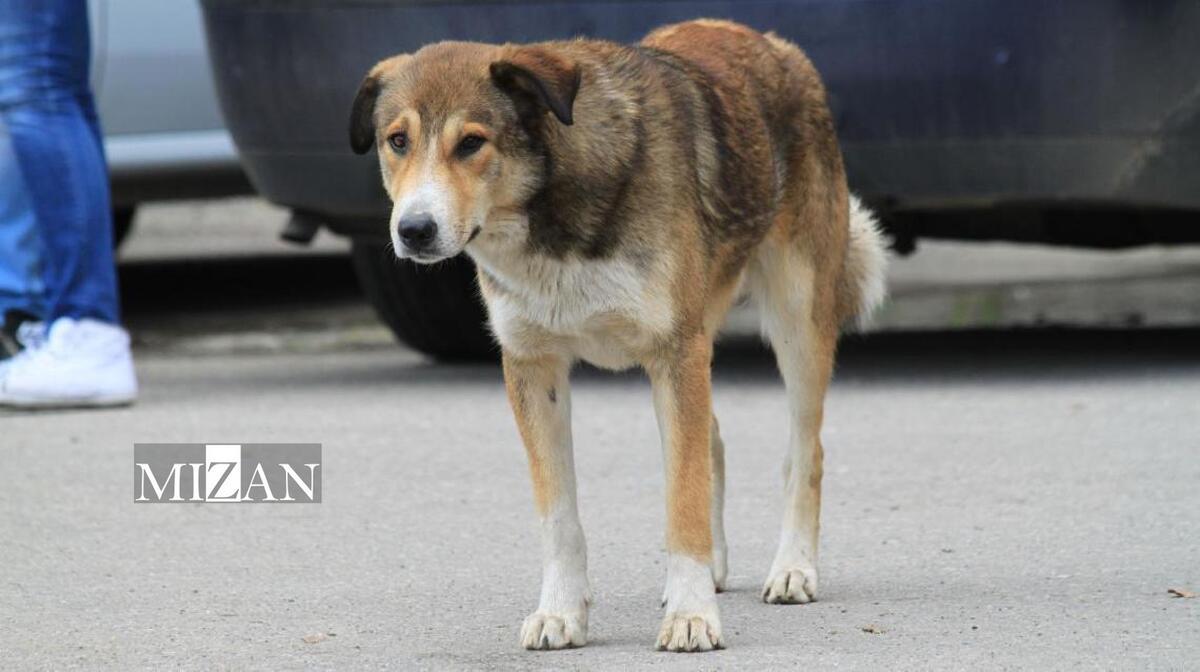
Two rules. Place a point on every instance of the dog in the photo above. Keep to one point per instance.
(616, 201)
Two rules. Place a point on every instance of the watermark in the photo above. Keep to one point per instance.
(285, 473)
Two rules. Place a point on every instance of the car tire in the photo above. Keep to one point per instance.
(435, 310)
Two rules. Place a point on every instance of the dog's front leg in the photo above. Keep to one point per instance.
(539, 392)
(683, 403)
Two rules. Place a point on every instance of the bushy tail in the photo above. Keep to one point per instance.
(864, 275)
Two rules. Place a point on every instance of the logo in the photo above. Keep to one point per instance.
(285, 473)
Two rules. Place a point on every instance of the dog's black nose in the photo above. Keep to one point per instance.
(418, 232)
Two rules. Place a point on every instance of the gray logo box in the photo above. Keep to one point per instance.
(180, 473)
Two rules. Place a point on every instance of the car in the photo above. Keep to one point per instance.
(163, 132)
(1071, 123)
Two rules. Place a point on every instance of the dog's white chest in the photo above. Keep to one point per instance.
(600, 311)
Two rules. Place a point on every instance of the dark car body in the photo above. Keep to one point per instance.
(1073, 120)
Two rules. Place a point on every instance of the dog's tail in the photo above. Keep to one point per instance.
(863, 284)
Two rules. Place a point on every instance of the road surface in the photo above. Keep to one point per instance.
(998, 500)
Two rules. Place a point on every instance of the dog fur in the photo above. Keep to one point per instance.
(617, 200)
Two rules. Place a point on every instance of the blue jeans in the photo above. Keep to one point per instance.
(46, 105)
(20, 248)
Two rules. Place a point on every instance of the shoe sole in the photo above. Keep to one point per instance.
(114, 401)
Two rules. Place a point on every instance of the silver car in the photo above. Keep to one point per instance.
(162, 124)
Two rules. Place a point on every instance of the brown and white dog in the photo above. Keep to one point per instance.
(616, 201)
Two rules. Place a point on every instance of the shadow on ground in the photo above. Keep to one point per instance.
(233, 283)
(1044, 355)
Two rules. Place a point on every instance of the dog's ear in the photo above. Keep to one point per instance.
(362, 114)
(539, 78)
(362, 111)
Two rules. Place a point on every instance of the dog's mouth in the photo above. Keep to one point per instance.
(424, 257)
(436, 255)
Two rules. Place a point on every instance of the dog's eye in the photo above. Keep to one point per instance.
(399, 142)
(469, 145)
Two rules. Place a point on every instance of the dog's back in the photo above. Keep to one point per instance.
(774, 135)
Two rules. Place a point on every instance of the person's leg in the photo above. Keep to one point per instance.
(21, 288)
(46, 103)
(84, 358)
(20, 254)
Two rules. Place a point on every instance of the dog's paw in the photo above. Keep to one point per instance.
(546, 631)
(693, 621)
(791, 585)
(690, 633)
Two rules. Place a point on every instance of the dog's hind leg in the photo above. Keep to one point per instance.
(683, 403)
(539, 392)
(720, 552)
(798, 312)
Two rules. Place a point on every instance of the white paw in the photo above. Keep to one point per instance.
(693, 622)
(690, 633)
(796, 584)
(547, 631)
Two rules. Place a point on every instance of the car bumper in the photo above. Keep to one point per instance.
(194, 164)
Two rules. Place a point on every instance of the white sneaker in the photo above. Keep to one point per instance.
(80, 363)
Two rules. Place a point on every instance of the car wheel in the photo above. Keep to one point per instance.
(122, 218)
(433, 309)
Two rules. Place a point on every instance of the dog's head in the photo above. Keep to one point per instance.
(457, 127)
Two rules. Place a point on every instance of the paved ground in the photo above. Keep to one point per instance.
(986, 507)
(1003, 500)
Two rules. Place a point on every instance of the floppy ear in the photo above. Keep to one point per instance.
(362, 115)
(541, 76)
(362, 112)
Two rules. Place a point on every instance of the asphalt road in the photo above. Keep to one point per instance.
(995, 500)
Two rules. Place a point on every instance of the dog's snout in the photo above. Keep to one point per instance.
(418, 232)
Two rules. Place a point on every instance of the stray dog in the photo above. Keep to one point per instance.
(616, 201)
